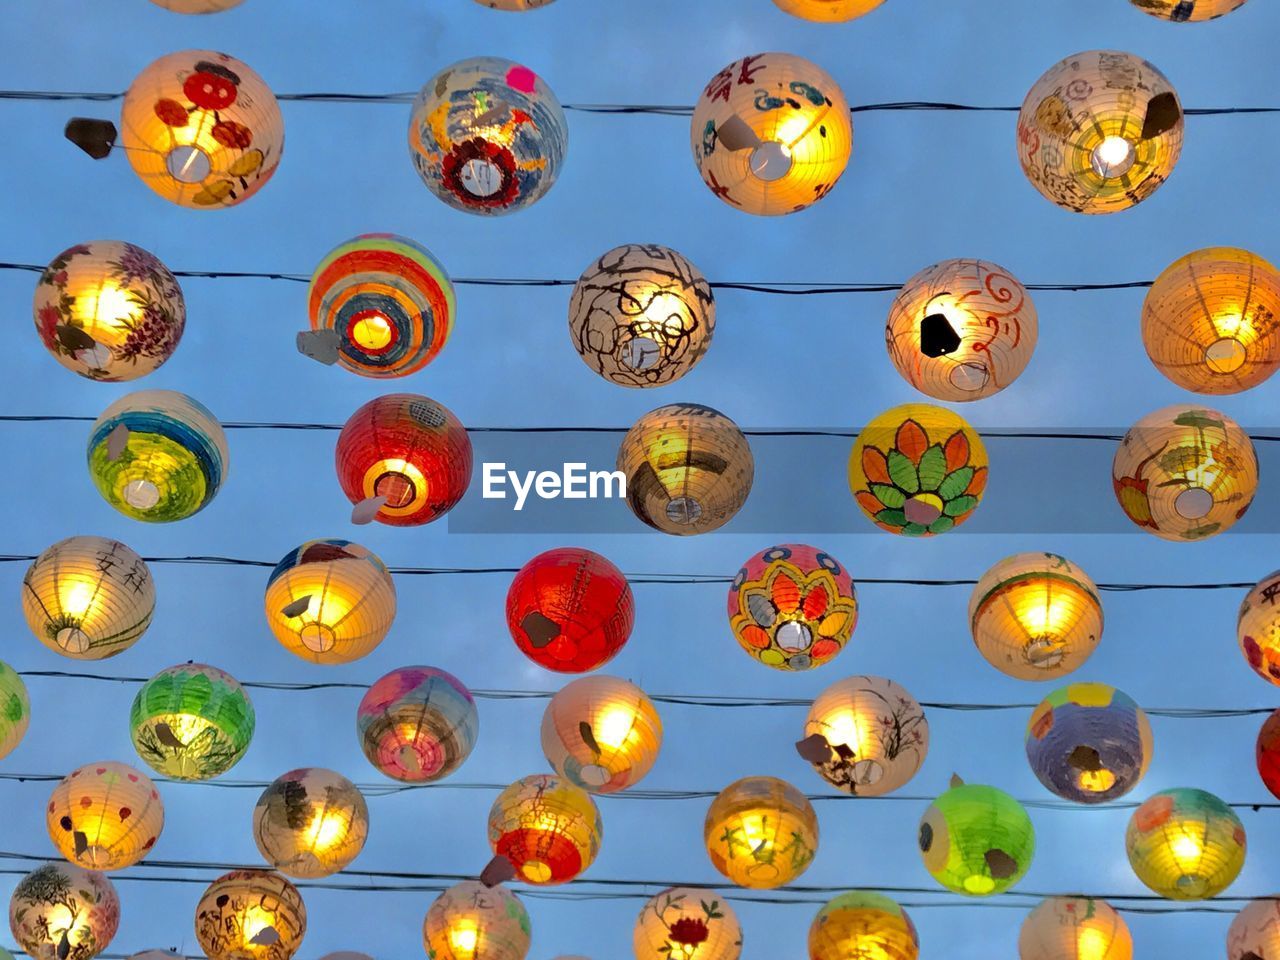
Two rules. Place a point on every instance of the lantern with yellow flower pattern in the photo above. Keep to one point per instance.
(761, 832)
(1074, 928)
(471, 921)
(250, 915)
(1185, 844)
(105, 816)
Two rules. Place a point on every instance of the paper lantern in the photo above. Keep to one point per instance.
(389, 300)
(976, 840)
(191, 722)
(1185, 844)
(1074, 928)
(197, 6)
(771, 134)
(470, 921)
(250, 915)
(487, 136)
(761, 832)
(310, 822)
(108, 310)
(330, 601)
(1185, 473)
(874, 732)
(641, 315)
(417, 724)
(549, 829)
(1255, 932)
(863, 925)
(1100, 131)
(1258, 627)
(1089, 742)
(61, 912)
(1035, 616)
(201, 129)
(828, 11)
(105, 816)
(961, 330)
(570, 610)
(15, 709)
(1181, 11)
(171, 459)
(601, 733)
(688, 468)
(683, 923)
(793, 607)
(409, 449)
(918, 470)
(1268, 754)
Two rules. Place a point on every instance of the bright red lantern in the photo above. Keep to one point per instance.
(1269, 753)
(570, 610)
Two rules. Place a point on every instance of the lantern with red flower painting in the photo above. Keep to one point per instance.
(1269, 753)
(682, 923)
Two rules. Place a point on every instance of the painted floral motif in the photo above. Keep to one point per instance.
(62, 912)
(874, 734)
(686, 924)
(191, 722)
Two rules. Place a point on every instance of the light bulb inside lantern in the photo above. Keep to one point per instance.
(1096, 781)
(463, 937)
(1187, 850)
(256, 920)
(846, 729)
(614, 726)
(108, 305)
(1092, 944)
(1113, 157)
(1045, 618)
(77, 597)
(755, 829)
(325, 831)
(371, 331)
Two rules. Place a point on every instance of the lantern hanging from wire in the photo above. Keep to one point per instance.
(1185, 844)
(683, 923)
(761, 832)
(105, 816)
(976, 840)
(861, 924)
(15, 709)
(1074, 928)
(250, 915)
(1183, 11)
(191, 722)
(1268, 753)
(417, 724)
(1258, 627)
(59, 911)
(828, 11)
(470, 921)
(601, 733)
(549, 829)
(310, 822)
(1254, 934)
(197, 6)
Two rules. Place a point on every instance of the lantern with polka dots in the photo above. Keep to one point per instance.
(59, 911)
(417, 724)
(1185, 844)
(470, 921)
(549, 829)
(1255, 932)
(250, 915)
(1074, 928)
(1089, 743)
(105, 816)
(682, 923)
(15, 709)
(310, 822)
(863, 924)
(601, 733)
(761, 832)
(828, 11)
(1188, 11)
(976, 840)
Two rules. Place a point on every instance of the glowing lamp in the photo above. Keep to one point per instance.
(191, 722)
(1185, 844)
(62, 912)
(976, 840)
(1255, 932)
(310, 823)
(601, 733)
(104, 816)
(417, 724)
(470, 921)
(197, 6)
(15, 709)
(682, 923)
(549, 829)
(761, 832)
(250, 915)
(1258, 627)
(1188, 11)
(863, 925)
(1074, 928)
(828, 11)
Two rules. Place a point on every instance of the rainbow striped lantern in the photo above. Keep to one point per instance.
(601, 733)
(976, 840)
(549, 829)
(1074, 928)
(760, 832)
(1185, 844)
(1255, 931)
(862, 924)
(15, 709)
(417, 724)
(470, 921)
(104, 816)
(1188, 11)
(191, 722)
(681, 923)
(61, 912)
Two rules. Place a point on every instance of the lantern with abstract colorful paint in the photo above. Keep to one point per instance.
(62, 912)
(15, 709)
(1188, 11)
(1255, 932)
(191, 722)
(250, 915)
(105, 816)
(682, 923)
(601, 733)
(470, 921)
(197, 6)
(1074, 928)
(417, 724)
(863, 925)
(549, 829)
(1268, 753)
(310, 822)
(976, 840)
(1185, 844)
(761, 832)
(1258, 627)
(828, 11)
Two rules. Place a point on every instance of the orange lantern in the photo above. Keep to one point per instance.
(828, 11)
(105, 816)
(863, 926)
(549, 829)
(1184, 11)
(761, 832)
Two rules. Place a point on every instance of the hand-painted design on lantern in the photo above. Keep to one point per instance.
(976, 840)
(310, 822)
(1074, 928)
(863, 924)
(1188, 11)
(104, 816)
(15, 709)
(601, 733)
(682, 923)
(417, 724)
(549, 829)
(1268, 754)
(191, 722)
(1258, 627)
(250, 915)
(1185, 844)
(761, 832)
(828, 11)
(470, 921)
(62, 912)
(1255, 932)
(197, 6)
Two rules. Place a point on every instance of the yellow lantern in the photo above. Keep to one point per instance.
(601, 733)
(197, 6)
(470, 921)
(1183, 11)
(62, 912)
(310, 822)
(682, 923)
(250, 915)
(1074, 928)
(1185, 844)
(761, 832)
(828, 11)
(771, 134)
(105, 816)
(1255, 932)
(15, 709)
(863, 926)
(1258, 628)
(549, 829)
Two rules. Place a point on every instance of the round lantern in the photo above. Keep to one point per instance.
(408, 449)
(15, 709)
(1100, 131)
(918, 470)
(417, 724)
(1258, 627)
(488, 136)
(641, 315)
(104, 816)
(549, 829)
(1185, 473)
(201, 129)
(1268, 753)
(1255, 932)
(514, 4)
(976, 840)
(682, 923)
(170, 455)
(771, 134)
(310, 822)
(1074, 928)
(389, 300)
(1182, 11)
(1089, 742)
(191, 722)
(1035, 616)
(761, 832)
(863, 924)
(470, 921)
(688, 468)
(62, 912)
(109, 310)
(1185, 844)
(197, 6)
(601, 733)
(330, 601)
(250, 915)
(570, 610)
(875, 733)
(961, 330)
(828, 11)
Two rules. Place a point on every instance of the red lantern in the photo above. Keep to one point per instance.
(570, 610)
(1269, 753)
(408, 449)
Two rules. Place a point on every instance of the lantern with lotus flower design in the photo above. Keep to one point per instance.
(682, 923)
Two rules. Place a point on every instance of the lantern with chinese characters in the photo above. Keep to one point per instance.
(976, 840)
(1268, 753)
(1183, 11)
(828, 11)
(310, 822)
(1255, 932)
(15, 709)
(417, 724)
(197, 6)
(158, 455)
(761, 832)
(201, 129)
(549, 829)
(1185, 844)
(1185, 473)
(1074, 928)
(918, 470)
(1100, 131)
(601, 733)
(862, 924)
(771, 134)
(688, 468)
(105, 816)
(470, 921)
(191, 722)
(61, 912)
(1258, 627)
(682, 923)
(250, 915)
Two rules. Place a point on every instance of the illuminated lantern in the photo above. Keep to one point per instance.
(1089, 742)
(793, 607)
(109, 310)
(961, 330)
(409, 449)
(470, 921)
(514, 4)
(828, 11)
(863, 925)
(570, 610)
(549, 829)
(1268, 753)
(201, 129)
(1074, 928)
(918, 470)
(330, 601)
(310, 822)
(250, 915)
(1258, 627)
(15, 709)
(1185, 844)
(417, 724)
(197, 6)
(688, 468)
(641, 315)
(976, 840)
(1185, 473)
(761, 832)
(771, 134)
(874, 732)
(1255, 932)
(487, 136)
(1182, 11)
(682, 923)
(601, 733)
(389, 300)
(191, 722)
(172, 456)
(105, 816)
(1035, 616)
(61, 912)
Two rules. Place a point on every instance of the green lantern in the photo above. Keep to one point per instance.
(15, 710)
(976, 840)
(191, 722)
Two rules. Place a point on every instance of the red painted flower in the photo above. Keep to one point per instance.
(232, 134)
(209, 90)
(689, 931)
(47, 320)
(479, 153)
(171, 112)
